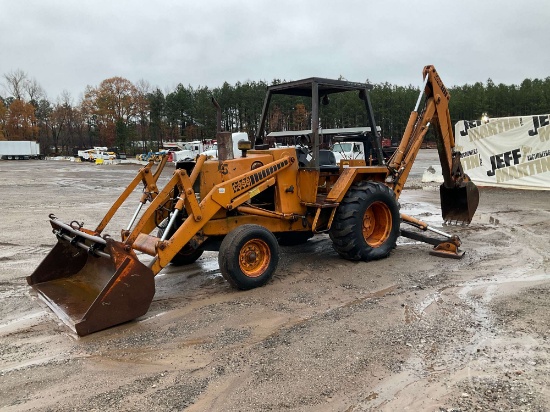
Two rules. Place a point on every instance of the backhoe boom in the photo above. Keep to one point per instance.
(459, 196)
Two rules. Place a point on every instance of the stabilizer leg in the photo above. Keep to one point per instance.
(448, 248)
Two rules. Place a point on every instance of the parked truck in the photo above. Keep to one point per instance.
(193, 149)
(20, 150)
(91, 155)
(359, 145)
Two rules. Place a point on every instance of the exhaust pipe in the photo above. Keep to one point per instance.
(224, 139)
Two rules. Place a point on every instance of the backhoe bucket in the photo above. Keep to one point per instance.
(89, 292)
(459, 204)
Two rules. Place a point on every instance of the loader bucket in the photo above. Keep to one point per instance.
(459, 204)
(89, 292)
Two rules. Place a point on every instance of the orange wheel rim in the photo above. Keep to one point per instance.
(377, 224)
(254, 258)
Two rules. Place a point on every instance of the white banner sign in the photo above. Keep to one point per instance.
(506, 152)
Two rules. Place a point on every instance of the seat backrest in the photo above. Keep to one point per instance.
(326, 158)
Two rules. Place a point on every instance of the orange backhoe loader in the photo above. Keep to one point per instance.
(244, 205)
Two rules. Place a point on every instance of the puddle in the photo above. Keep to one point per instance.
(208, 266)
(20, 323)
(427, 301)
(479, 302)
(376, 294)
(402, 241)
(428, 213)
(148, 318)
(410, 315)
(485, 218)
(423, 211)
(32, 363)
(504, 278)
(14, 292)
(479, 293)
(430, 188)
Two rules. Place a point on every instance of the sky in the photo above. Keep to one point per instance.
(68, 45)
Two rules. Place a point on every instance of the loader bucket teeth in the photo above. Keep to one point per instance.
(459, 204)
(91, 293)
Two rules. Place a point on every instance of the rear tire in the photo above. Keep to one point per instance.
(248, 256)
(293, 238)
(366, 224)
(186, 255)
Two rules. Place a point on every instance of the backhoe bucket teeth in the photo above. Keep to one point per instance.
(90, 293)
(459, 204)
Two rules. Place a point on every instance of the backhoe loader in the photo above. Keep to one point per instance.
(243, 204)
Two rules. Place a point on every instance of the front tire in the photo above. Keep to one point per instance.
(366, 224)
(248, 256)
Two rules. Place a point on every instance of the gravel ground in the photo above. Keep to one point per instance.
(412, 332)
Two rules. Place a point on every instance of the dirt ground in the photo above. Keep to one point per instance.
(413, 332)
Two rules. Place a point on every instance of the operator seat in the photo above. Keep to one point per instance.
(327, 161)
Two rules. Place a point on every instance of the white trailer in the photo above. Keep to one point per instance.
(19, 150)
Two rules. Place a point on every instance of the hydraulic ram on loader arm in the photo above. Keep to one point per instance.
(93, 282)
(227, 195)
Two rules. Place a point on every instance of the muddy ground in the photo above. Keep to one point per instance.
(412, 332)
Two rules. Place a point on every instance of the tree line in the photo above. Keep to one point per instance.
(135, 117)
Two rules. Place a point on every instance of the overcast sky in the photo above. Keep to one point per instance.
(66, 45)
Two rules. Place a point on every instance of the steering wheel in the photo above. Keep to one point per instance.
(303, 149)
(304, 140)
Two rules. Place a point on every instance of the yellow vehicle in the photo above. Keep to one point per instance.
(244, 204)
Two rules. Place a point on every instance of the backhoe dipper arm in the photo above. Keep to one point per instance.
(435, 112)
(459, 196)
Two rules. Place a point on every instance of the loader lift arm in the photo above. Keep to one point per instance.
(228, 195)
(103, 283)
(150, 191)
